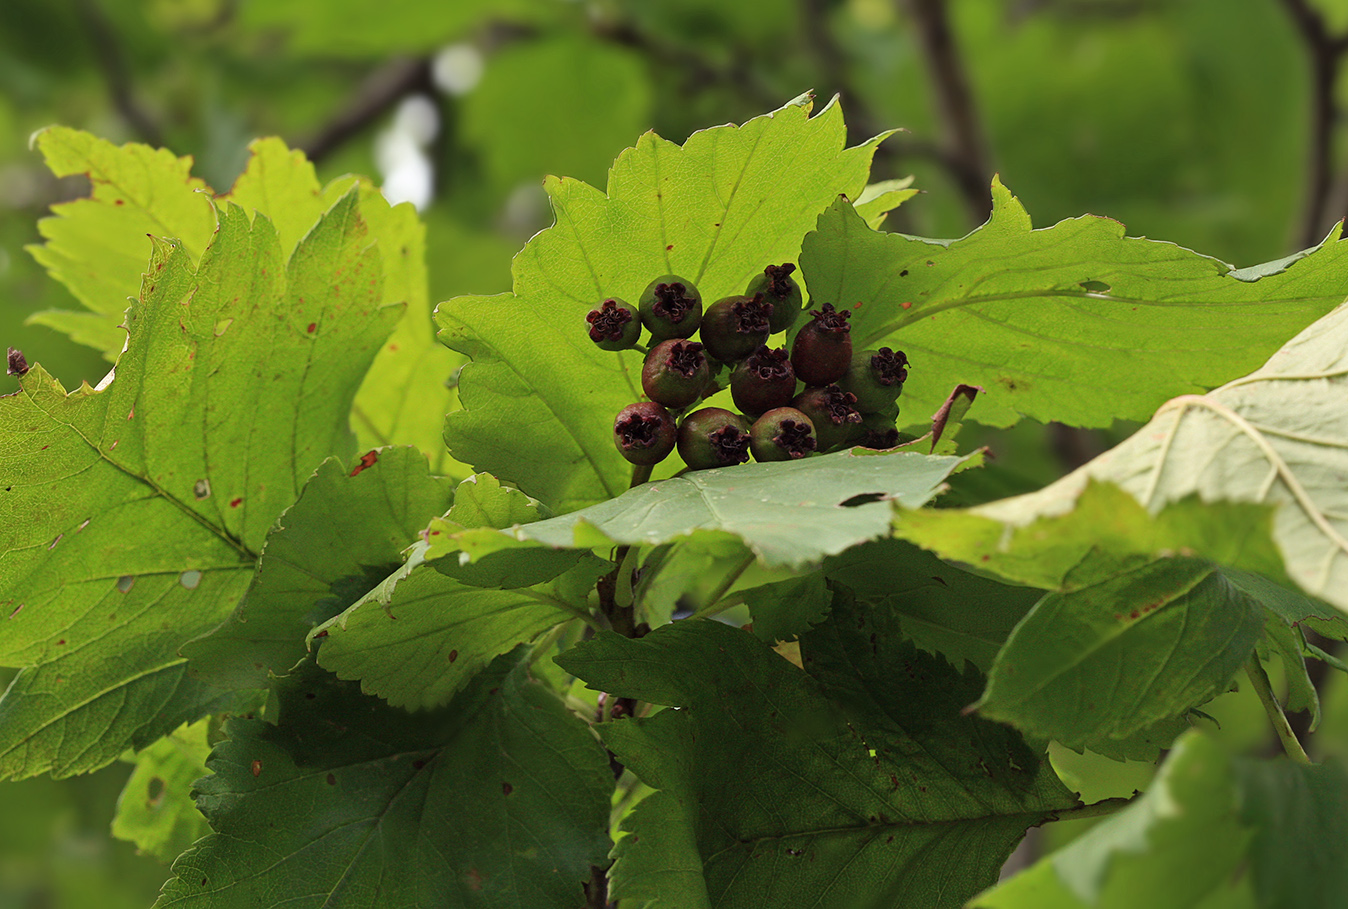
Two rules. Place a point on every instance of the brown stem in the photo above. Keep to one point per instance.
(108, 52)
(961, 132)
(378, 94)
(1325, 53)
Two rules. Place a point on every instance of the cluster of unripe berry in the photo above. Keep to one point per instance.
(848, 398)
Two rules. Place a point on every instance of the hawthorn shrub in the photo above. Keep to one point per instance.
(366, 654)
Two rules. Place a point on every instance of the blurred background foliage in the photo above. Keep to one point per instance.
(1210, 123)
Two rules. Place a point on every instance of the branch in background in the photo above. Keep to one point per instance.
(382, 90)
(107, 51)
(1326, 53)
(962, 134)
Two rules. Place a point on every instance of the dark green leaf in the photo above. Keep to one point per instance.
(499, 799)
(1108, 660)
(343, 537)
(858, 784)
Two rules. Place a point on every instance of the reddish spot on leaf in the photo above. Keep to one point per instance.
(61, 643)
(322, 634)
(506, 789)
(16, 610)
(369, 459)
(907, 304)
(119, 202)
(313, 326)
(669, 247)
(453, 655)
(418, 764)
(392, 347)
(857, 305)
(474, 879)
(1134, 614)
(332, 780)
(257, 768)
(235, 503)
(132, 414)
(203, 882)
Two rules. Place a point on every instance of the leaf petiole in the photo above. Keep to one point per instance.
(1259, 679)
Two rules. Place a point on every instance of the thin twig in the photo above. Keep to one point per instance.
(108, 52)
(955, 108)
(1259, 679)
(381, 91)
(1325, 52)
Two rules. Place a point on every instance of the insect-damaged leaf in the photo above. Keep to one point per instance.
(500, 798)
(856, 782)
(135, 512)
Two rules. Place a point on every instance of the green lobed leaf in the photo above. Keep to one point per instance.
(135, 512)
(1211, 832)
(345, 534)
(789, 513)
(939, 607)
(499, 799)
(155, 810)
(1105, 661)
(1178, 845)
(97, 247)
(1277, 438)
(1073, 323)
(854, 783)
(420, 636)
(539, 397)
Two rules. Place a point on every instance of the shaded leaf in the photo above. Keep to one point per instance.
(1178, 845)
(855, 783)
(1212, 831)
(939, 607)
(1135, 321)
(347, 801)
(1107, 660)
(345, 535)
(420, 636)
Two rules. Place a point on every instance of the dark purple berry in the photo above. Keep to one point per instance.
(735, 327)
(671, 307)
(832, 411)
(713, 437)
(876, 377)
(675, 373)
(782, 434)
(614, 325)
(822, 351)
(644, 432)
(763, 381)
(781, 290)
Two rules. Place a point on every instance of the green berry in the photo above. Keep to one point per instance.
(782, 434)
(713, 437)
(735, 327)
(781, 290)
(614, 325)
(763, 381)
(876, 377)
(675, 373)
(671, 307)
(822, 351)
(831, 410)
(644, 432)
